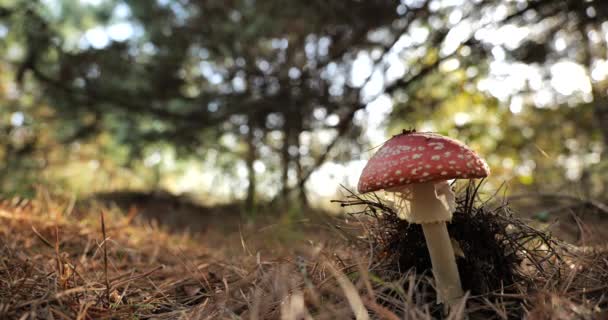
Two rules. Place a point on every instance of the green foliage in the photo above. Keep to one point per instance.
(232, 85)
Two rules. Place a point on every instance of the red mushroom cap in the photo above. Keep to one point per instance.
(420, 157)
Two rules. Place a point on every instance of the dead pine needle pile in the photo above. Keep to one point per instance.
(65, 261)
(510, 269)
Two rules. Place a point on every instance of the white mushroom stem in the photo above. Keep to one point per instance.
(432, 212)
(443, 260)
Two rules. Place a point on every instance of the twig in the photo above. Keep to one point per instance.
(105, 257)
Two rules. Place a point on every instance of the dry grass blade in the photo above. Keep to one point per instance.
(105, 256)
(42, 238)
(351, 293)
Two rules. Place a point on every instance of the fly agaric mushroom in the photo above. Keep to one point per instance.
(415, 167)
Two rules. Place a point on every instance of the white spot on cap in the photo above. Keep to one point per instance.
(437, 145)
(416, 156)
(435, 157)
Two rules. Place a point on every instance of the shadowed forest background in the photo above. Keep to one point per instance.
(267, 101)
(231, 124)
(259, 101)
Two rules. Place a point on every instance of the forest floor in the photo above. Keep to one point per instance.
(94, 260)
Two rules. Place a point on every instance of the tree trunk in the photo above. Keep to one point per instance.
(251, 176)
(600, 98)
(600, 111)
(285, 161)
(302, 199)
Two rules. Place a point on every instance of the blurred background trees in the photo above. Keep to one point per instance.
(281, 101)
